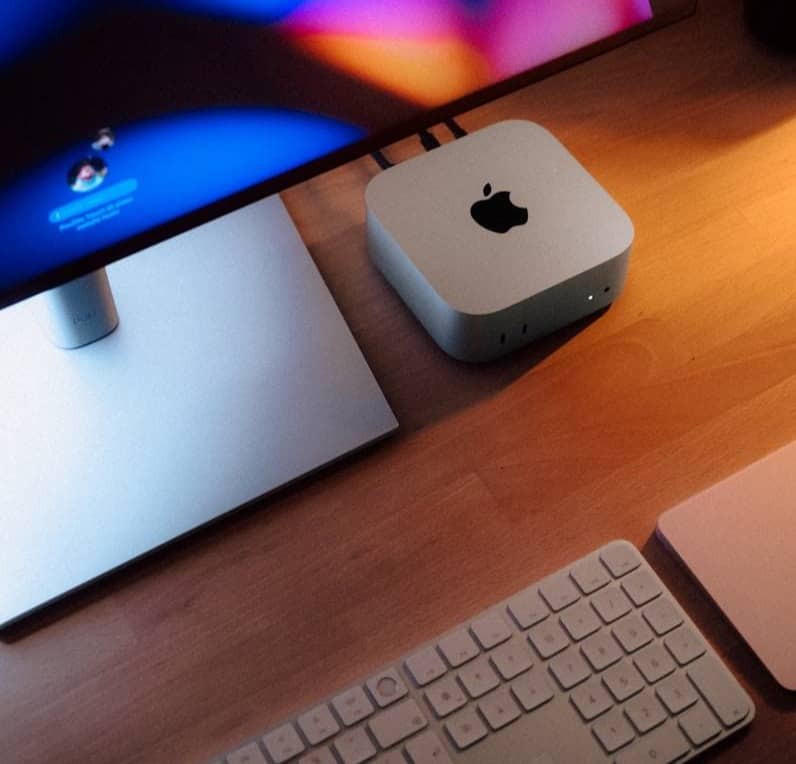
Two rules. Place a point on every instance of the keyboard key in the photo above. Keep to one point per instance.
(590, 575)
(623, 680)
(354, 746)
(613, 731)
(632, 633)
(397, 723)
(662, 746)
(620, 558)
(283, 744)
(532, 689)
(511, 659)
(558, 592)
(324, 756)
(677, 693)
(591, 699)
(499, 708)
(386, 688)
(548, 638)
(352, 706)
(641, 586)
(248, 754)
(427, 749)
(580, 621)
(478, 678)
(466, 728)
(723, 695)
(654, 663)
(391, 757)
(601, 651)
(446, 696)
(645, 712)
(684, 645)
(662, 616)
(699, 724)
(491, 630)
(458, 648)
(318, 724)
(527, 609)
(570, 669)
(611, 603)
(426, 666)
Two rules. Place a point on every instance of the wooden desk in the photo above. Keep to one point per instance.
(501, 473)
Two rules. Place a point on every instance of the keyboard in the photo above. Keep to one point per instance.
(595, 663)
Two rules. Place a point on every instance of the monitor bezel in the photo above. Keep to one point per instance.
(664, 12)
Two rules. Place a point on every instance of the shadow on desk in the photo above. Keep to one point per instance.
(729, 86)
(455, 386)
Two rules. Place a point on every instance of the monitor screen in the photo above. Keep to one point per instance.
(126, 121)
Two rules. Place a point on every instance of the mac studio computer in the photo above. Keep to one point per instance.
(168, 350)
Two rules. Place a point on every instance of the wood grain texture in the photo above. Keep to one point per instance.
(500, 473)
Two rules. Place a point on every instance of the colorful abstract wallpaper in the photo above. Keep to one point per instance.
(122, 116)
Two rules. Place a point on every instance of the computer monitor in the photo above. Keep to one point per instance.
(129, 121)
(148, 137)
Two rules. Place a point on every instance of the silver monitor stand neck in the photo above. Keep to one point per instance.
(80, 312)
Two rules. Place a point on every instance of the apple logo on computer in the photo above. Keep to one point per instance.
(497, 213)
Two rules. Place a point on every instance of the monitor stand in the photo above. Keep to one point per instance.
(231, 373)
